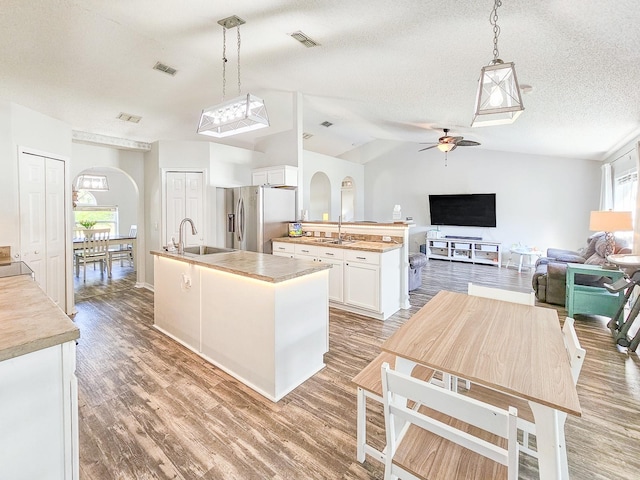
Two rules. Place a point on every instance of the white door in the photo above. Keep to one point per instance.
(33, 215)
(42, 222)
(184, 198)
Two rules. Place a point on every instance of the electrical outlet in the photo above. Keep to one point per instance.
(386, 238)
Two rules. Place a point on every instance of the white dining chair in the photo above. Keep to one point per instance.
(95, 248)
(124, 250)
(501, 294)
(369, 386)
(450, 436)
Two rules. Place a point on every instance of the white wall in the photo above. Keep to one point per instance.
(336, 169)
(540, 201)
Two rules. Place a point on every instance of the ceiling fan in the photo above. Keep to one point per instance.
(448, 143)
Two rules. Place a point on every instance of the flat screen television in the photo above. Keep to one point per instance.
(466, 210)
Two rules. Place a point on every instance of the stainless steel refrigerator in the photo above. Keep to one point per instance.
(257, 214)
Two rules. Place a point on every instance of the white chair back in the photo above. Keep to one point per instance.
(96, 242)
(500, 294)
(574, 350)
(396, 387)
(133, 231)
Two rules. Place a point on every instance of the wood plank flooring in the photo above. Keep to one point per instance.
(150, 408)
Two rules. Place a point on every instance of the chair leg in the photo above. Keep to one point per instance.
(361, 425)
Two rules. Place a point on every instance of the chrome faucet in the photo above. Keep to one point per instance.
(181, 240)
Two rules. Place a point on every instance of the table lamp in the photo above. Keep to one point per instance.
(609, 221)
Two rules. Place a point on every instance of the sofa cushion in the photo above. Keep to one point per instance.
(594, 259)
(569, 258)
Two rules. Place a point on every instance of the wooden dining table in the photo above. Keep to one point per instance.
(78, 242)
(512, 348)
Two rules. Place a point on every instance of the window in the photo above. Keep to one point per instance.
(105, 216)
(624, 198)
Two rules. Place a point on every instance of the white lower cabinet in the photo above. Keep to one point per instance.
(359, 281)
(39, 415)
(362, 285)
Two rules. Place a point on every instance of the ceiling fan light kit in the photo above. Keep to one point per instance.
(238, 115)
(498, 100)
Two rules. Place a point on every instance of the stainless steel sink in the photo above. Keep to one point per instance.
(206, 250)
(335, 241)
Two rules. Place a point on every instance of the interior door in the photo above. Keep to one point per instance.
(42, 222)
(32, 215)
(184, 198)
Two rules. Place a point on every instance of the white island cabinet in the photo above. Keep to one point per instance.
(261, 318)
(38, 385)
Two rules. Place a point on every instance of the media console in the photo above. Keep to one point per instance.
(464, 250)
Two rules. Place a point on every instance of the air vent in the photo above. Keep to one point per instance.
(127, 117)
(326, 124)
(165, 68)
(304, 39)
(307, 136)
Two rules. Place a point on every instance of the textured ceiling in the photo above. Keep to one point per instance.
(383, 70)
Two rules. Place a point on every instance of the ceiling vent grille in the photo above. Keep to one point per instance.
(304, 39)
(307, 136)
(161, 67)
(326, 124)
(127, 117)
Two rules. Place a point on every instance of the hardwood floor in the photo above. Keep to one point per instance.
(150, 408)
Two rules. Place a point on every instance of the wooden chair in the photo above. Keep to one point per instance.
(450, 436)
(95, 248)
(369, 385)
(500, 294)
(526, 421)
(124, 250)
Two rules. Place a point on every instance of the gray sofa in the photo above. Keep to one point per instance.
(549, 278)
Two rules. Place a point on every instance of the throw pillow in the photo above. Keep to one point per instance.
(594, 259)
(591, 246)
(601, 246)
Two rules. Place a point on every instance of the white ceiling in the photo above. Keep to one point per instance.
(384, 70)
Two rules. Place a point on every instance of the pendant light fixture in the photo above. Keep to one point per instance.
(498, 100)
(238, 115)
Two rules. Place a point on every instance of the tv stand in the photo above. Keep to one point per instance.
(462, 249)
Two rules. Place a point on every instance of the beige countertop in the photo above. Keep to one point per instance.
(29, 320)
(265, 267)
(364, 246)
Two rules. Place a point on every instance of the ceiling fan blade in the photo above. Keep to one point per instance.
(428, 148)
(467, 143)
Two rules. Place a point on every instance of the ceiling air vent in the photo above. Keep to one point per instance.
(307, 136)
(326, 124)
(127, 117)
(165, 68)
(303, 39)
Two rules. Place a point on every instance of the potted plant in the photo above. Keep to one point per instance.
(88, 224)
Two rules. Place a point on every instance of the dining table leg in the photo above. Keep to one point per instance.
(550, 442)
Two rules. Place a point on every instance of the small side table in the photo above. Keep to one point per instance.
(523, 251)
(592, 300)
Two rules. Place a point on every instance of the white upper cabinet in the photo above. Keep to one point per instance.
(280, 176)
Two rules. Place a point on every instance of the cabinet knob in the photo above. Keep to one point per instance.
(36, 252)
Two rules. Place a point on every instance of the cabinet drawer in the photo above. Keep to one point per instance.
(372, 258)
(309, 250)
(462, 246)
(328, 252)
(283, 247)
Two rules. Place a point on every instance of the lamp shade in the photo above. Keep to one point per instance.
(239, 115)
(610, 221)
(446, 147)
(91, 182)
(498, 100)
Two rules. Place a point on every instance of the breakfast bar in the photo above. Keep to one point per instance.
(261, 318)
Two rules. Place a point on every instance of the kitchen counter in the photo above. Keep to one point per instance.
(249, 264)
(29, 320)
(361, 245)
(261, 318)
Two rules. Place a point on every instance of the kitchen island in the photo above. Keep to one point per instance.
(260, 318)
